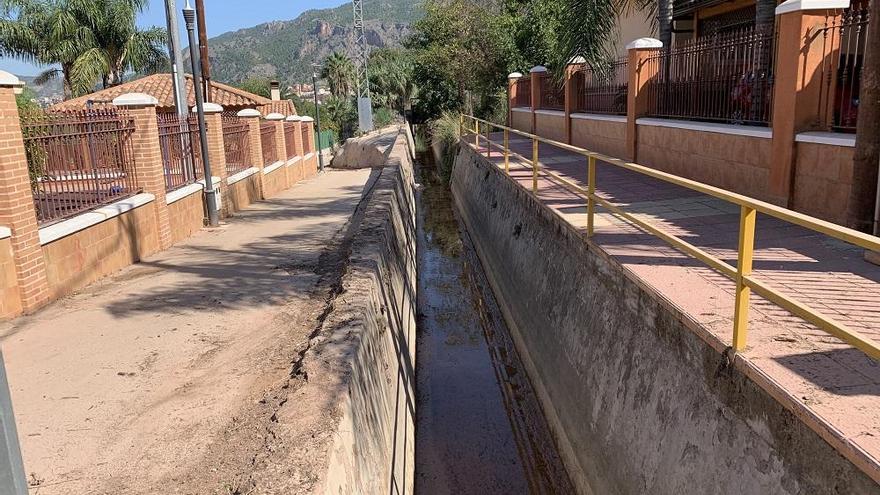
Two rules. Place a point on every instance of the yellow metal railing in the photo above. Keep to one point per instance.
(749, 208)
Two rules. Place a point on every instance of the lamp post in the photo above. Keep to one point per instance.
(189, 15)
(317, 117)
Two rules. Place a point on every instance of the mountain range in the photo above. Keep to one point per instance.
(285, 50)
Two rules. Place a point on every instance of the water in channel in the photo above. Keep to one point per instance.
(479, 427)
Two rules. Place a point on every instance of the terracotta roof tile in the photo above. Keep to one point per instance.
(159, 86)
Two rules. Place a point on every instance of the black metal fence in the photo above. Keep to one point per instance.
(843, 40)
(552, 94)
(267, 142)
(290, 139)
(601, 89)
(236, 144)
(181, 150)
(78, 160)
(523, 97)
(725, 78)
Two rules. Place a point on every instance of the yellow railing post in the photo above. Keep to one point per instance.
(488, 142)
(534, 165)
(591, 193)
(476, 133)
(746, 250)
(506, 152)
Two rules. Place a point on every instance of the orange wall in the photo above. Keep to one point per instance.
(551, 126)
(186, 216)
(10, 299)
(521, 120)
(736, 163)
(600, 135)
(244, 192)
(81, 258)
(823, 179)
(274, 182)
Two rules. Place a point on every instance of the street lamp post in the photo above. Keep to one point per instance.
(317, 117)
(189, 15)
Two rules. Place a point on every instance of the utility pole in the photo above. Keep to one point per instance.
(317, 117)
(174, 52)
(365, 105)
(189, 15)
(203, 49)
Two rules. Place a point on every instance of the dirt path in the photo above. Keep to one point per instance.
(164, 378)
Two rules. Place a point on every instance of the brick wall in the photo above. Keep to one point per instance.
(521, 120)
(10, 298)
(187, 216)
(81, 258)
(823, 180)
(274, 182)
(602, 136)
(551, 126)
(244, 192)
(736, 163)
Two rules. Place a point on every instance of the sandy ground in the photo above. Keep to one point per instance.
(164, 378)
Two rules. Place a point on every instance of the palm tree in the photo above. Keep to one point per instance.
(339, 72)
(90, 40)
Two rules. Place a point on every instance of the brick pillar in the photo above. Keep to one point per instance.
(17, 209)
(512, 79)
(148, 166)
(797, 85)
(571, 89)
(253, 119)
(640, 73)
(217, 151)
(280, 146)
(536, 73)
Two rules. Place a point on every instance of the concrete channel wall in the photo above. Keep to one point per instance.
(637, 400)
(367, 342)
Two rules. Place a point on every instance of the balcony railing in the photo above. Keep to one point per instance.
(726, 78)
(843, 43)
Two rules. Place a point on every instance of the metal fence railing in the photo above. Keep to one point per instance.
(308, 145)
(78, 160)
(290, 139)
(236, 144)
(843, 39)
(724, 78)
(552, 94)
(523, 96)
(267, 142)
(741, 274)
(181, 150)
(601, 89)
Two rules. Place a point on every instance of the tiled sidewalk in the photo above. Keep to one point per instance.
(836, 382)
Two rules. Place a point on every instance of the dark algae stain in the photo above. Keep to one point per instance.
(479, 427)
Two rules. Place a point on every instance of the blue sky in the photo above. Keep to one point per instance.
(222, 16)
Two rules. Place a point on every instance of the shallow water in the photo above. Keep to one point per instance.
(479, 428)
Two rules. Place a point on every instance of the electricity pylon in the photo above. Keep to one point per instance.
(365, 106)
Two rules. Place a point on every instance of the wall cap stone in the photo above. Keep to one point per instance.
(271, 168)
(135, 100)
(244, 174)
(293, 118)
(182, 192)
(208, 108)
(558, 113)
(537, 69)
(521, 109)
(801, 5)
(599, 116)
(248, 112)
(514, 75)
(830, 138)
(275, 116)
(9, 80)
(5, 232)
(77, 223)
(643, 43)
(307, 119)
(736, 130)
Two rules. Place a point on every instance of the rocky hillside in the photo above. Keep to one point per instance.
(286, 49)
